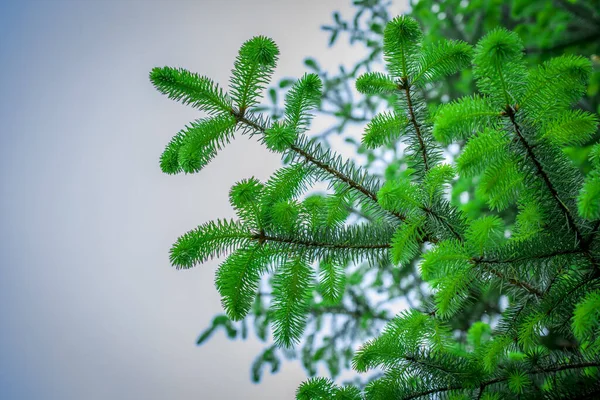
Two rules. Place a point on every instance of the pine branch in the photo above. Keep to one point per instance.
(514, 131)
(515, 282)
(349, 181)
(405, 85)
(340, 176)
(489, 382)
(190, 88)
(524, 285)
(263, 237)
(445, 222)
(569, 293)
(543, 175)
(319, 164)
(528, 258)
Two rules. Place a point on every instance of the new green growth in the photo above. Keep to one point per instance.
(545, 262)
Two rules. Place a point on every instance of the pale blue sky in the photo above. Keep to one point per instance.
(89, 305)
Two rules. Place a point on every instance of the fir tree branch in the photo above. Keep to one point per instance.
(525, 285)
(433, 391)
(504, 87)
(359, 213)
(318, 163)
(569, 293)
(346, 179)
(445, 222)
(418, 361)
(582, 244)
(373, 196)
(340, 176)
(543, 175)
(404, 85)
(281, 229)
(262, 237)
(484, 384)
(515, 282)
(528, 258)
(512, 281)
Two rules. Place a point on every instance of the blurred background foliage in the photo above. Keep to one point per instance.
(374, 294)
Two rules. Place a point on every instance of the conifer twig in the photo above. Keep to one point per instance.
(346, 179)
(262, 237)
(542, 173)
(546, 179)
(405, 85)
(332, 171)
(515, 282)
(483, 385)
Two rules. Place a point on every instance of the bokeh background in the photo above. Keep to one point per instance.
(89, 305)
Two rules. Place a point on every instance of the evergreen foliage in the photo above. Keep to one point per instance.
(545, 261)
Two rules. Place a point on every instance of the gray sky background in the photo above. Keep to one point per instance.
(89, 305)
